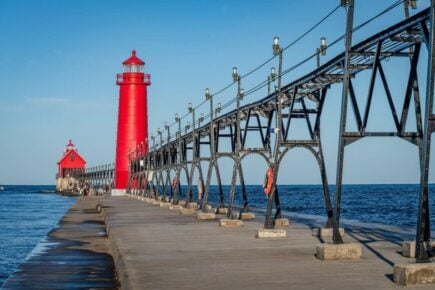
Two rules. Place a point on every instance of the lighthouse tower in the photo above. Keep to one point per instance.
(132, 116)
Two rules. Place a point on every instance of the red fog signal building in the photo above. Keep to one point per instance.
(69, 166)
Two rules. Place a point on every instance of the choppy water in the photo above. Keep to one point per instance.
(390, 204)
(26, 216)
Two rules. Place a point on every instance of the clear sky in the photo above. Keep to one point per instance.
(59, 60)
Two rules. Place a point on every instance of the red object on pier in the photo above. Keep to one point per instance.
(132, 115)
(71, 162)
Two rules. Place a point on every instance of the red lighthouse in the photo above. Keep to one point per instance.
(70, 166)
(132, 115)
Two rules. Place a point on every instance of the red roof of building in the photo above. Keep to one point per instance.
(133, 59)
(70, 149)
(68, 153)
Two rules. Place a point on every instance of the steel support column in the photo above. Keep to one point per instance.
(423, 251)
(342, 142)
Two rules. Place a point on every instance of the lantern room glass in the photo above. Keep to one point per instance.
(133, 68)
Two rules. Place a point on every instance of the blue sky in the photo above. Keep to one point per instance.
(59, 60)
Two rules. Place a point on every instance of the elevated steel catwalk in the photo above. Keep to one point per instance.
(395, 41)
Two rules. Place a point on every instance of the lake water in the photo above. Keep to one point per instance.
(391, 204)
(27, 215)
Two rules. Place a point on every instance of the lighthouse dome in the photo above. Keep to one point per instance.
(133, 63)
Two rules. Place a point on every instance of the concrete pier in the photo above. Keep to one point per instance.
(156, 248)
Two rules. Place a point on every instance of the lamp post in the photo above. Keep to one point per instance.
(269, 222)
(277, 50)
(321, 50)
(239, 97)
(137, 151)
(142, 161)
(141, 168)
(209, 97)
(136, 168)
(129, 157)
(178, 135)
(200, 119)
(167, 128)
(153, 139)
(270, 78)
(218, 109)
(407, 4)
(159, 132)
(192, 110)
(159, 147)
(187, 127)
(413, 4)
(136, 160)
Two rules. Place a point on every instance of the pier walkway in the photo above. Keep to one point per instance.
(156, 248)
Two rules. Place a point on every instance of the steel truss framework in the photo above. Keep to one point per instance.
(269, 121)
